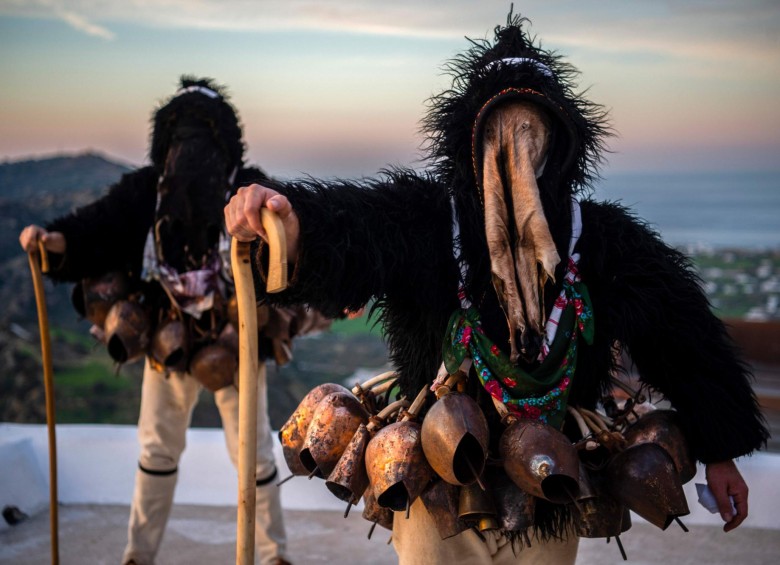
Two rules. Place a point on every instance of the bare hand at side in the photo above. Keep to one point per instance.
(725, 480)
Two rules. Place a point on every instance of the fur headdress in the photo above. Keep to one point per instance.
(197, 149)
(513, 65)
(198, 102)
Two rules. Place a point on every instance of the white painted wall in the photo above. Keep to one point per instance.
(96, 465)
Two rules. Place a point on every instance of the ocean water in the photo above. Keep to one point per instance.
(733, 210)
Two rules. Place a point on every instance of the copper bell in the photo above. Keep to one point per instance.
(214, 366)
(349, 479)
(644, 478)
(93, 297)
(333, 424)
(587, 486)
(541, 460)
(228, 337)
(660, 427)
(293, 433)
(600, 514)
(476, 508)
(396, 465)
(514, 507)
(170, 345)
(375, 513)
(603, 517)
(455, 438)
(441, 500)
(127, 331)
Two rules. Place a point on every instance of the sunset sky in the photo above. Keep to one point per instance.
(338, 87)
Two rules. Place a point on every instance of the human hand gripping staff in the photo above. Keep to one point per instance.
(249, 373)
(243, 217)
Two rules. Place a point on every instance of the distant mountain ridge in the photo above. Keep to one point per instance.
(37, 191)
(58, 174)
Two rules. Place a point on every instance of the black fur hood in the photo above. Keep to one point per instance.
(198, 101)
(514, 64)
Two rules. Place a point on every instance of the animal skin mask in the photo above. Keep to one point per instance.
(523, 256)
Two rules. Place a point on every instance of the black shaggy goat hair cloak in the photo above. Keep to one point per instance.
(391, 239)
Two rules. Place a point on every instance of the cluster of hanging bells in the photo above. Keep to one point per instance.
(630, 462)
(117, 314)
(366, 447)
(348, 438)
(124, 323)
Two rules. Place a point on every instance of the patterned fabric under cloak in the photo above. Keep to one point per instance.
(110, 233)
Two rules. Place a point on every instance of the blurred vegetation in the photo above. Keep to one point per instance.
(741, 283)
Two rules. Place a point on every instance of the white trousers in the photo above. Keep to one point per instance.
(166, 410)
(417, 542)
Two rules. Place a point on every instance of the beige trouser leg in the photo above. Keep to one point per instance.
(270, 537)
(166, 409)
(417, 542)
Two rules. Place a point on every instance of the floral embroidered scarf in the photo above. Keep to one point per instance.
(539, 394)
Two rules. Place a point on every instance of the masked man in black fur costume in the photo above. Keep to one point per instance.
(470, 261)
(162, 225)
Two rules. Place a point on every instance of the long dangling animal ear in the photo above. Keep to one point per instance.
(522, 252)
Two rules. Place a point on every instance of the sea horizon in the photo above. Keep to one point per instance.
(706, 210)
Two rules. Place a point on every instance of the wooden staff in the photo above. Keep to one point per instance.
(250, 371)
(39, 262)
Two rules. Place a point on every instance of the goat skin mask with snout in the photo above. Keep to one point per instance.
(523, 256)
